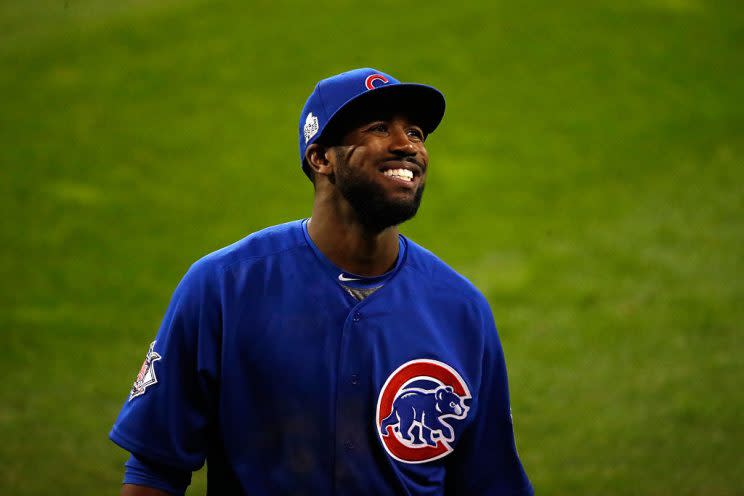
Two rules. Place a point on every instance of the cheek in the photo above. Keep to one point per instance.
(354, 155)
(424, 154)
(364, 157)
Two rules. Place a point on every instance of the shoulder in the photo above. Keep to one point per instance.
(255, 247)
(453, 295)
(441, 276)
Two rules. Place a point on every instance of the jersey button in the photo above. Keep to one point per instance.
(357, 317)
(349, 445)
(355, 379)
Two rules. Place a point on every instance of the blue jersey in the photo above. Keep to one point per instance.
(268, 369)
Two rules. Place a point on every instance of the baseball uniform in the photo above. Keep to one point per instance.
(266, 367)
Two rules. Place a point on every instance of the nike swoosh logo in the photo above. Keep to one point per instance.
(343, 278)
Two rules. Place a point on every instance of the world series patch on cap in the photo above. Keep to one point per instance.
(337, 93)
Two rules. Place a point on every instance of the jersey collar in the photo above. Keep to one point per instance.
(354, 280)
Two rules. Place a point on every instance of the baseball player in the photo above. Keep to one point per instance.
(330, 355)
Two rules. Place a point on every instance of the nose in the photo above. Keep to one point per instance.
(400, 142)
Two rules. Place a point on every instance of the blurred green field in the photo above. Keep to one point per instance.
(588, 177)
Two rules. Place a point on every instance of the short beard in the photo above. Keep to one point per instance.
(374, 211)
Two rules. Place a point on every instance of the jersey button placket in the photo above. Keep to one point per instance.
(347, 414)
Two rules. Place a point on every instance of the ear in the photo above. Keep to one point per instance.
(316, 157)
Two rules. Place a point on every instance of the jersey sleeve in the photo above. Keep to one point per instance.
(171, 408)
(485, 461)
(149, 474)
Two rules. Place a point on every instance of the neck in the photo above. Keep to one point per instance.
(338, 234)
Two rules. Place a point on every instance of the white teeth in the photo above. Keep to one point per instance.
(400, 173)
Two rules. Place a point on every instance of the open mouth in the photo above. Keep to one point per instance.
(401, 170)
(403, 174)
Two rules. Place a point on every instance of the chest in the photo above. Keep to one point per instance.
(348, 385)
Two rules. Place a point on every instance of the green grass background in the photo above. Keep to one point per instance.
(588, 177)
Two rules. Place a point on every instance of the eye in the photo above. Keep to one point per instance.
(416, 133)
(452, 404)
(378, 127)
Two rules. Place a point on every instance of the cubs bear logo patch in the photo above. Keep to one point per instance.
(415, 406)
(146, 376)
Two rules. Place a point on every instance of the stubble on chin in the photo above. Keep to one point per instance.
(374, 209)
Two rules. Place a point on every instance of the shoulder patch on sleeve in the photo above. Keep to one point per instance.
(146, 376)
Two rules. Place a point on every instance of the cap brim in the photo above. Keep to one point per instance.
(424, 104)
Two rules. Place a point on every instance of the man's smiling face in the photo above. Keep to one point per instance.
(380, 168)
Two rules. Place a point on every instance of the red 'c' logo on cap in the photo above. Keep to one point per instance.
(370, 81)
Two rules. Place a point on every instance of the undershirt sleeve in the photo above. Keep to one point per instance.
(157, 476)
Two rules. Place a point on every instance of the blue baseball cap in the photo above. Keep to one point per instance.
(336, 93)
